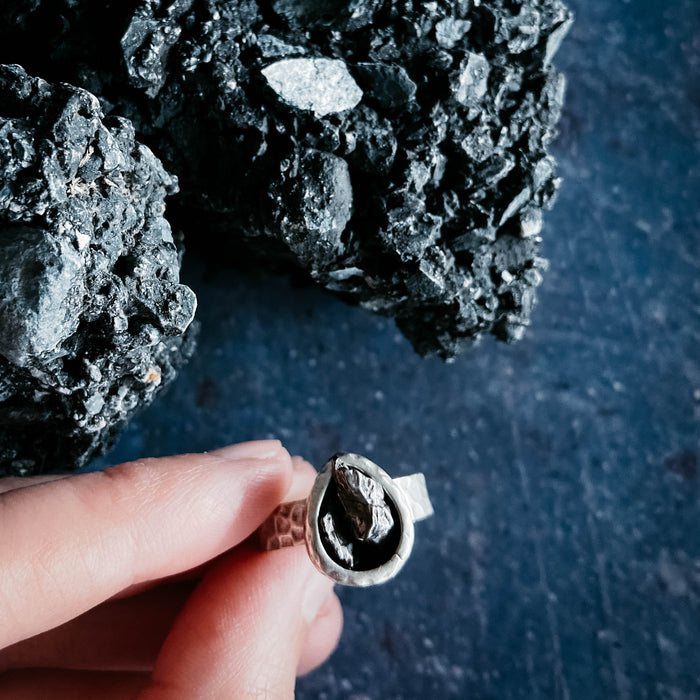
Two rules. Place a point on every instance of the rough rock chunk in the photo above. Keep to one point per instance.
(317, 205)
(387, 85)
(340, 546)
(441, 112)
(449, 31)
(147, 42)
(93, 319)
(472, 80)
(364, 503)
(42, 286)
(319, 85)
(357, 525)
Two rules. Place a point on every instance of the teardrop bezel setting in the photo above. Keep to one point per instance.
(315, 546)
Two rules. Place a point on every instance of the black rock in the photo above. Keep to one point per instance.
(364, 503)
(309, 207)
(387, 86)
(358, 524)
(438, 115)
(42, 285)
(93, 320)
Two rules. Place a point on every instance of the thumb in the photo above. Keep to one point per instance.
(256, 620)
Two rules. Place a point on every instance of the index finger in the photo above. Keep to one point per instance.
(67, 545)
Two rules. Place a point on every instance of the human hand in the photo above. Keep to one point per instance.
(124, 584)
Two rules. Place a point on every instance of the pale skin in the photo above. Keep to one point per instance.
(141, 582)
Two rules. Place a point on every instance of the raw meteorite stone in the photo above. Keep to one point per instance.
(340, 547)
(357, 523)
(364, 503)
(441, 113)
(93, 319)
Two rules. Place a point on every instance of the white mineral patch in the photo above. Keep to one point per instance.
(473, 79)
(82, 239)
(449, 31)
(319, 85)
(346, 273)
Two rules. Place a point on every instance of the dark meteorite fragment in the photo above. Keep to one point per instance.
(441, 113)
(93, 319)
(364, 503)
(358, 523)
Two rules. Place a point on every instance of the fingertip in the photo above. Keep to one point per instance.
(271, 468)
(303, 477)
(300, 464)
(272, 479)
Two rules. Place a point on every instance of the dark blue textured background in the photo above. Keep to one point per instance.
(564, 557)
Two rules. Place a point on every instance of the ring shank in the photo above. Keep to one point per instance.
(285, 527)
(415, 490)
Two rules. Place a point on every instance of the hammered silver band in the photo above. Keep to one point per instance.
(297, 522)
(285, 527)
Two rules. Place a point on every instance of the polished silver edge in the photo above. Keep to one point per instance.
(314, 545)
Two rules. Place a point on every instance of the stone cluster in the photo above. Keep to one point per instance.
(93, 319)
(393, 150)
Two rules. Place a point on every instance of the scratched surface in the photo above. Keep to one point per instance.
(564, 557)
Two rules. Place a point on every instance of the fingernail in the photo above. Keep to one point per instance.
(316, 593)
(257, 449)
(303, 478)
(298, 462)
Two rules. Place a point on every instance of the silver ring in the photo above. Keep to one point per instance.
(357, 522)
